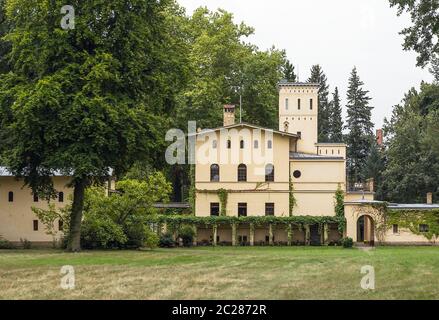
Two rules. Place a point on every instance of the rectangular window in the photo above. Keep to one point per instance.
(310, 104)
(395, 229)
(35, 197)
(269, 209)
(35, 225)
(242, 209)
(298, 104)
(286, 104)
(214, 209)
(423, 228)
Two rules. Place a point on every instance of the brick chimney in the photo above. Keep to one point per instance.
(229, 115)
(379, 137)
(429, 198)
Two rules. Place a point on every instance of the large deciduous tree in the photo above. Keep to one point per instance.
(412, 148)
(86, 100)
(423, 35)
(4, 46)
(224, 66)
(360, 136)
(318, 76)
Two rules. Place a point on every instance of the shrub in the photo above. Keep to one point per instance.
(166, 241)
(5, 244)
(347, 242)
(101, 232)
(187, 233)
(25, 244)
(141, 235)
(151, 240)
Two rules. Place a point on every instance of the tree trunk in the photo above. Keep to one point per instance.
(74, 243)
(233, 234)
(270, 234)
(289, 235)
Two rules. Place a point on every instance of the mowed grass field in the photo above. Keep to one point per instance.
(223, 273)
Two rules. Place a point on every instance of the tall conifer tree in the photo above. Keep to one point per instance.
(360, 136)
(318, 76)
(335, 119)
(288, 72)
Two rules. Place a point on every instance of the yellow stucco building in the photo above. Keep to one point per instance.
(263, 170)
(245, 170)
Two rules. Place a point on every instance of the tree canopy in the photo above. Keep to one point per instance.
(87, 100)
(423, 35)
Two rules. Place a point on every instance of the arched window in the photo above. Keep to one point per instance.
(286, 126)
(269, 144)
(61, 197)
(214, 144)
(242, 172)
(214, 172)
(229, 144)
(256, 144)
(241, 144)
(10, 196)
(269, 173)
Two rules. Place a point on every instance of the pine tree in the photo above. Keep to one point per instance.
(335, 119)
(360, 136)
(288, 72)
(317, 76)
(373, 169)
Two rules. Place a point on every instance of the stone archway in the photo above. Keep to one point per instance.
(366, 230)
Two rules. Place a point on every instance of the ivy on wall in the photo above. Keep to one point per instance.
(223, 196)
(192, 193)
(292, 198)
(300, 221)
(411, 219)
(339, 208)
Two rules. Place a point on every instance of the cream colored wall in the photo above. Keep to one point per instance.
(303, 120)
(358, 195)
(315, 189)
(16, 218)
(255, 203)
(247, 156)
(331, 150)
(255, 191)
(405, 236)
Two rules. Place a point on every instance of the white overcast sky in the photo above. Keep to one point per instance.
(338, 35)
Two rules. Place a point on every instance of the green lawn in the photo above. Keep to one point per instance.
(223, 273)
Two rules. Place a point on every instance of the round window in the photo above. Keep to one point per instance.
(297, 174)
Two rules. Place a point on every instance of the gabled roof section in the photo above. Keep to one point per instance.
(248, 125)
